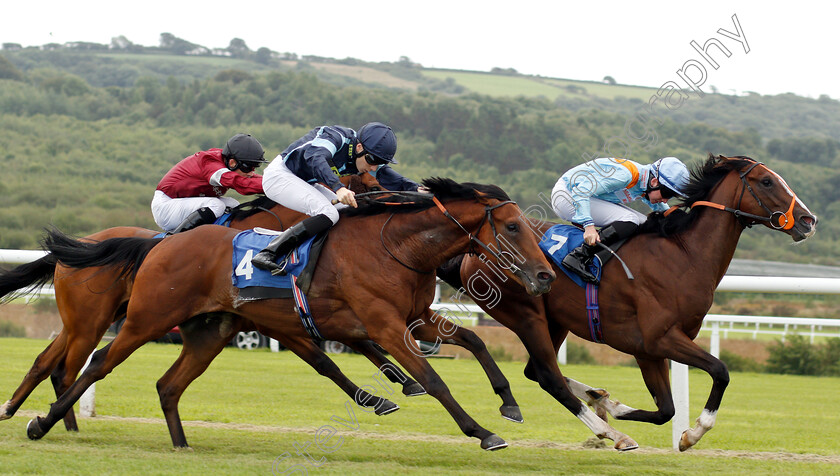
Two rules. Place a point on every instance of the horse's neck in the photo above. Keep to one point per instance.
(428, 239)
(712, 239)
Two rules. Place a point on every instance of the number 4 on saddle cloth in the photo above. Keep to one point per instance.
(254, 283)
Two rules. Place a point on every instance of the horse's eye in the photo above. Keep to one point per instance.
(375, 189)
(766, 182)
(513, 227)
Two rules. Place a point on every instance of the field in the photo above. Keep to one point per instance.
(252, 408)
(530, 86)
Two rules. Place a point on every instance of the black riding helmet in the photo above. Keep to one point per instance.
(379, 141)
(246, 151)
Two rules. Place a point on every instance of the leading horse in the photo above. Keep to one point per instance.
(370, 292)
(678, 260)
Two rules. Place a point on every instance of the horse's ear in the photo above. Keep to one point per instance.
(482, 198)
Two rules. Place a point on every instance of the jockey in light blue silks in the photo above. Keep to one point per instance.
(594, 194)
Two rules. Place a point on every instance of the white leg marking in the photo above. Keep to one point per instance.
(603, 430)
(602, 403)
(5, 409)
(705, 422)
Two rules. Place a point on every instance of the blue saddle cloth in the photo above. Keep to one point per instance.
(248, 243)
(560, 240)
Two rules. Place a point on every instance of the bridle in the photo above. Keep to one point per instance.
(474, 240)
(778, 220)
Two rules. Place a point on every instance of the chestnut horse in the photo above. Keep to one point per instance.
(369, 293)
(678, 261)
(89, 300)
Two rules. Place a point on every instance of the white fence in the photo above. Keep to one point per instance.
(716, 324)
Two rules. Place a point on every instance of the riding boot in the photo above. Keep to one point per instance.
(617, 231)
(578, 262)
(286, 242)
(202, 216)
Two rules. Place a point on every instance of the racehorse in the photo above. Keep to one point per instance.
(370, 293)
(678, 260)
(89, 300)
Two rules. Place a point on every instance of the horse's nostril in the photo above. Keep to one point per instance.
(545, 277)
(810, 220)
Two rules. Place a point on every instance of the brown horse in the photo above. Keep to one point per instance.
(89, 300)
(678, 261)
(370, 293)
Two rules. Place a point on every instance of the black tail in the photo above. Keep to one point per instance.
(125, 253)
(26, 278)
(450, 272)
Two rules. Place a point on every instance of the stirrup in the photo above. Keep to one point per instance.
(579, 268)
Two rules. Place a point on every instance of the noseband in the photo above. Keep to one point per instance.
(474, 240)
(778, 220)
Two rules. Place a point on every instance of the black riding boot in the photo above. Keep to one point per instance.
(202, 216)
(580, 258)
(285, 242)
(578, 262)
(617, 231)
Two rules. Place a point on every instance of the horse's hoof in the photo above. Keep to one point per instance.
(186, 448)
(493, 443)
(386, 407)
(626, 444)
(414, 389)
(684, 443)
(512, 413)
(33, 429)
(4, 412)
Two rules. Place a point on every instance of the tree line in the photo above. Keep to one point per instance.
(85, 156)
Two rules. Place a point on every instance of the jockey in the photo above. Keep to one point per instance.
(190, 194)
(595, 193)
(294, 178)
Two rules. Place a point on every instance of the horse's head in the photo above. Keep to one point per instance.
(502, 235)
(361, 183)
(764, 197)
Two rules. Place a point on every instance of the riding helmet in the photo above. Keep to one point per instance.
(379, 140)
(671, 173)
(244, 148)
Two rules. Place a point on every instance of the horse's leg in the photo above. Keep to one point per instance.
(102, 363)
(544, 368)
(58, 377)
(310, 353)
(426, 329)
(41, 369)
(679, 347)
(204, 336)
(410, 387)
(391, 338)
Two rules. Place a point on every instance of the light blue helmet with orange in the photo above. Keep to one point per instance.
(671, 174)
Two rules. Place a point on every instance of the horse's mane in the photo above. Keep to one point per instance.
(444, 189)
(704, 178)
(244, 210)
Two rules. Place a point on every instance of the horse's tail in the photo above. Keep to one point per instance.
(127, 254)
(450, 272)
(26, 278)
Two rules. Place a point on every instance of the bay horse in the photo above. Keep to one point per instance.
(369, 294)
(90, 300)
(677, 260)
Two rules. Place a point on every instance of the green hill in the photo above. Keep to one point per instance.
(87, 134)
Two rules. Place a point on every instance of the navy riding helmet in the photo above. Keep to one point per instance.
(379, 141)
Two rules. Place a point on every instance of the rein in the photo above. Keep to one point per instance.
(488, 217)
(775, 219)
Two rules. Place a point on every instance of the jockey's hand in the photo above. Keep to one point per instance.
(590, 235)
(347, 197)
